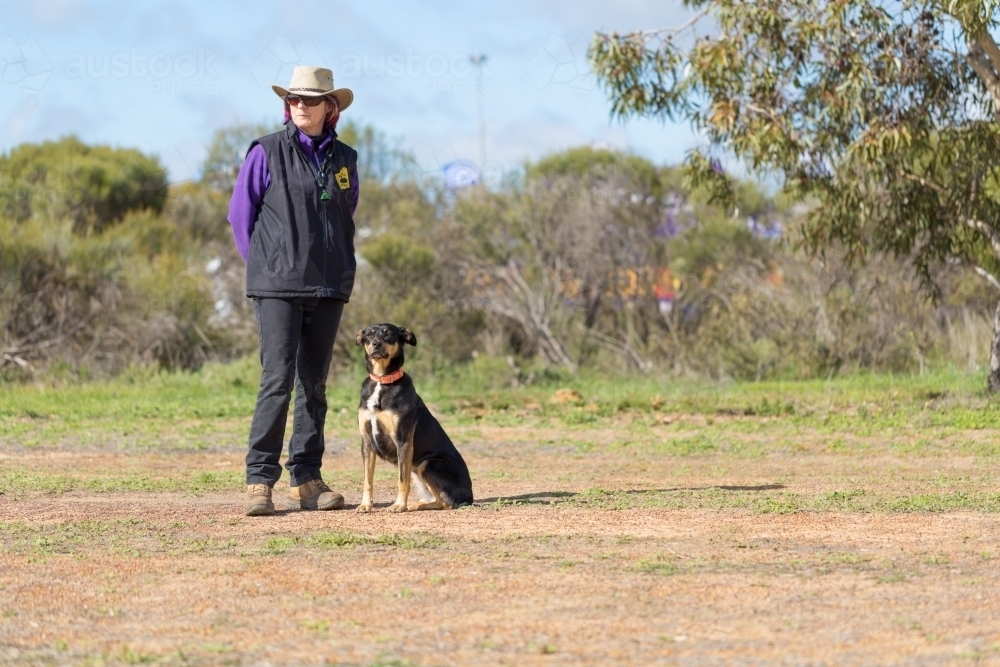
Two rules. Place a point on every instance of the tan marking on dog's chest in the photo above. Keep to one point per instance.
(388, 420)
(382, 421)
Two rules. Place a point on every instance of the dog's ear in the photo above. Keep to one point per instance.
(359, 337)
(407, 336)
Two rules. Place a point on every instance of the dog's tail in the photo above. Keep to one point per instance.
(460, 497)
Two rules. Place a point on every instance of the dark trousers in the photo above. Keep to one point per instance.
(296, 342)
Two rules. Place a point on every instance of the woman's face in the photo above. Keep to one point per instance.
(309, 119)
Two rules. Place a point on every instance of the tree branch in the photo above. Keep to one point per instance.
(926, 183)
(537, 317)
(984, 69)
(990, 278)
(670, 32)
(623, 349)
(989, 45)
(991, 234)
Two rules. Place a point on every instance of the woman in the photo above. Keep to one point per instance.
(292, 216)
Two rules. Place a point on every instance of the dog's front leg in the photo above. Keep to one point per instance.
(404, 454)
(368, 454)
(368, 461)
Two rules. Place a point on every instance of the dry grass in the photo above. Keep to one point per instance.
(621, 541)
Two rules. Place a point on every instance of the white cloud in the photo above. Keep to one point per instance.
(587, 16)
(55, 14)
(33, 121)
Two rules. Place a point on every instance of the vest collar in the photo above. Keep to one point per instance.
(387, 379)
(293, 133)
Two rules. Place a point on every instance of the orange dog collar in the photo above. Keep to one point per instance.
(387, 379)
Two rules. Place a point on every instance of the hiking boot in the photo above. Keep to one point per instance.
(258, 500)
(314, 495)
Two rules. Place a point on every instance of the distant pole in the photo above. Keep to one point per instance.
(479, 60)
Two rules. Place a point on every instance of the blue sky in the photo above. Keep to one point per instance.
(163, 76)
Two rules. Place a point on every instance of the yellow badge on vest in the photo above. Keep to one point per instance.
(343, 180)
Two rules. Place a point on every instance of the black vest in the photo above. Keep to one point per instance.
(303, 239)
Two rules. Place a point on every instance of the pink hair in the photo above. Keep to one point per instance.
(330, 122)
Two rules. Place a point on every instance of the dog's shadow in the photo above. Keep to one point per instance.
(554, 497)
(547, 497)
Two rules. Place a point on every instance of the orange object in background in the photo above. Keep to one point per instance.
(775, 277)
(633, 284)
(665, 286)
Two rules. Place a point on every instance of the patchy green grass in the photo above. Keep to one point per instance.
(837, 425)
(568, 494)
(773, 499)
(18, 481)
(137, 538)
(340, 539)
(659, 564)
(923, 415)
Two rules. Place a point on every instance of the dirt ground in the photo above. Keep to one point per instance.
(566, 558)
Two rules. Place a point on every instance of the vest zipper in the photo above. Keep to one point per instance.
(320, 178)
(323, 175)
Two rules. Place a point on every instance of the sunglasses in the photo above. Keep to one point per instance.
(293, 100)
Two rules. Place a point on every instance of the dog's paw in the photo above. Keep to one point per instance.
(397, 507)
(364, 508)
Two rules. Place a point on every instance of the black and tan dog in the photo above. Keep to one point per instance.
(397, 427)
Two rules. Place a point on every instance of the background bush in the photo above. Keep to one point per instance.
(563, 268)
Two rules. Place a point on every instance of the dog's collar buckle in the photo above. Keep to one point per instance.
(387, 379)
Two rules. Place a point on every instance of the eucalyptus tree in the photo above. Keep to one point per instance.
(882, 115)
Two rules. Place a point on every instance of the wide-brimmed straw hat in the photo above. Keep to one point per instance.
(314, 82)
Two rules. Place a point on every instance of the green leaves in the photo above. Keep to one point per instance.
(227, 151)
(868, 111)
(94, 186)
(645, 69)
(399, 255)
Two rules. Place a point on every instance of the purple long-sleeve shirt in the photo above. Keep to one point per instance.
(254, 179)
